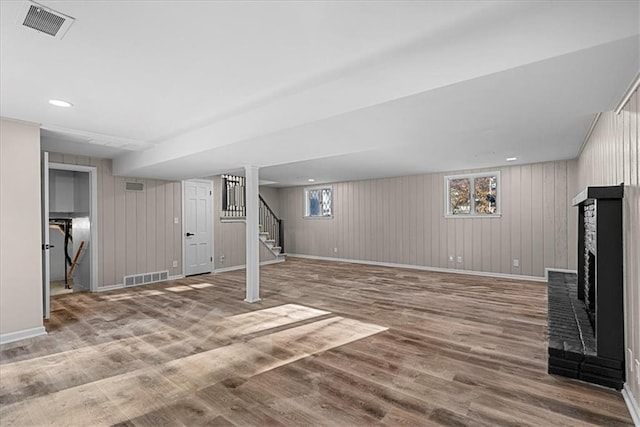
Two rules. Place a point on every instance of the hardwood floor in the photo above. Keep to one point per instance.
(330, 344)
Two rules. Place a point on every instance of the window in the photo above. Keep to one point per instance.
(472, 195)
(318, 202)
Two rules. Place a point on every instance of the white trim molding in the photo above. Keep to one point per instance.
(594, 122)
(307, 208)
(110, 287)
(424, 268)
(22, 335)
(93, 215)
(472, 204)
(632, 404)
(635, 84)
(243, 266)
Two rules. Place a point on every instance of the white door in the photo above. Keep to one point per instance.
(198, 224)
(44, 179)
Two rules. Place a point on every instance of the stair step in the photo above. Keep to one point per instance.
(264, 235)
(276, 250)
(271, 243)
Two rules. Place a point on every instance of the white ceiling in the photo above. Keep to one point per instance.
(329, 90)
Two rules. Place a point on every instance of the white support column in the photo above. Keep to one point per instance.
(253, 236)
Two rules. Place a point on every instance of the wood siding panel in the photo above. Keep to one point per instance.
(549, 219)
(177, 228)
(424, 221)
(537, 220)
(107, 217)
(151, 209)
(505, 222)
(141, 231)
(561, 196)
(119, 231)
(526, 215)
(515, 194)
(131, 224)
(169, 226)
(161, 223)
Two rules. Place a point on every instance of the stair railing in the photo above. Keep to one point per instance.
(271, 223)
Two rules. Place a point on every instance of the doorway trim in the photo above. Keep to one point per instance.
(93, 214)
(213, 223)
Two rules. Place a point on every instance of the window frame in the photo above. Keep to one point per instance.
(472, 209)
(306, 202)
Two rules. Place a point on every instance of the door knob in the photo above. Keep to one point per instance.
(189, 234)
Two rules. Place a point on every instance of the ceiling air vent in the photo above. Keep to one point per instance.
(134, 186)
(44, 19)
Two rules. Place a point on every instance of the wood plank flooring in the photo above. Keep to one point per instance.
(330, 344)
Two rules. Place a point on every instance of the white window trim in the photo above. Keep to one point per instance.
(306, 202)
(471, 177)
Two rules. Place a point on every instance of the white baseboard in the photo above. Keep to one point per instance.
(243, 266)
(176, 277)
(110, 287)
(632, 404)
(23, 334)
(424, 268)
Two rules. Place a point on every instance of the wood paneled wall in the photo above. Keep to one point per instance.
(612, 156)
(136, 231)
(401, 220)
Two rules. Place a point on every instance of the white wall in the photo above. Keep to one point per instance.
(20, 228)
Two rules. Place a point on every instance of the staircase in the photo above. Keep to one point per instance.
(271, 231)
(233, 208)
(270, 244)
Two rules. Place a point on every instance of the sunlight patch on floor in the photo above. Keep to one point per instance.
(117, 398)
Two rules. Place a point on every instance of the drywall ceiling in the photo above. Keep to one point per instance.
(329, 90)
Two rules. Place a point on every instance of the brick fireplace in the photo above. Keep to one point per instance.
(586, 318)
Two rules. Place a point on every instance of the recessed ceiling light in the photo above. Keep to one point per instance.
(60, 103)
(511, 159)
(311, 180)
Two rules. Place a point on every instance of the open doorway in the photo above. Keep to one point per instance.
(69, 229)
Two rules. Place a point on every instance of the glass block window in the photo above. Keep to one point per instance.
(318, 202)
(472, 195)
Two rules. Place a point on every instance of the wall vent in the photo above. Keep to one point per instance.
(44, 20)
(133, 186)
(144, 278)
